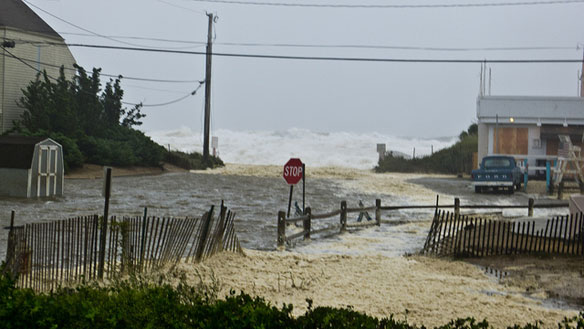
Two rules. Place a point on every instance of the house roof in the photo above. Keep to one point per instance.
(531, 110)
(17, 152)
(15, 14)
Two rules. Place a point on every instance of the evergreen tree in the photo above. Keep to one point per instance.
(91, 119)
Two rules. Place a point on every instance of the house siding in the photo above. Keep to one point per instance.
(15, 75)
(2, 83)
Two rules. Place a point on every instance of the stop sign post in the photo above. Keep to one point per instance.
(293, 173)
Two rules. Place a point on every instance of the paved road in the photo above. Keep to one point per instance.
(463, 189)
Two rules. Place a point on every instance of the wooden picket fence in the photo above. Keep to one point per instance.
(308, 217)
(343, 224)
(44, 256)
(452, 234)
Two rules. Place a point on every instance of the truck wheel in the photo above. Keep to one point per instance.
(511, 190)
(518, 186)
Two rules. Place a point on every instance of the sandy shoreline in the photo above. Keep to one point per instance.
(92, 171)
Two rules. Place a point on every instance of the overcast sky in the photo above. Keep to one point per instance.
(401, 99)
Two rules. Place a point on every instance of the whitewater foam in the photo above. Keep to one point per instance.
(317, 149)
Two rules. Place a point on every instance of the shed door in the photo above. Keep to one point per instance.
(47, 177)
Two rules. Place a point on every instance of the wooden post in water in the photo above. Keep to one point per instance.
(9, 253)
(107, 192)
(306, 223)
(10, 261)
(456, 207)
(143, 240)
(281, 229)
(343, 216)
(204, 233)
(290, 199)
(378, 211)
(530, 207)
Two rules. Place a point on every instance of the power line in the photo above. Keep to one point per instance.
(138, 38)
(125, 103)
(181, 7)
(87, 30)
(349, 59)
(155, 89)
(75, 25)
(173, 101)
(424, 48)
(387, 6)
(356, 46)
(34, 61)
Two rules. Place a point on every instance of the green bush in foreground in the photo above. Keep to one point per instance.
(142, 305)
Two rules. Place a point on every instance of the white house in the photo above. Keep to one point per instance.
(25, 51)
(528, 125)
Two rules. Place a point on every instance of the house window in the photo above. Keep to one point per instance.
(536, 143)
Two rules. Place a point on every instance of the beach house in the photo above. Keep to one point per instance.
(28, 46)
(528, 125)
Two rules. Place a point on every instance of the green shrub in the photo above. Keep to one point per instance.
(89, 119)
(452, 160)
(191, 160)
(135, 304)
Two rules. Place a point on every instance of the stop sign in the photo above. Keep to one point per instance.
(293, 171)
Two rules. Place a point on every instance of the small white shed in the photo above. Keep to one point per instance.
(31, 167)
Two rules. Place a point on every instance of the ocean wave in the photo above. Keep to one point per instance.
(315, 148)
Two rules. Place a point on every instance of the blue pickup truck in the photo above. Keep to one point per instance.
(499, 173)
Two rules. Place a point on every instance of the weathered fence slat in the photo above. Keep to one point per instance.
(459, 235)
(48, 255)
(581, 234)
(532, 237)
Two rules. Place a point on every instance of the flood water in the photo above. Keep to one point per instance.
(256, 202)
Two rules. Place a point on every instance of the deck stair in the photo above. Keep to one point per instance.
(569, 171)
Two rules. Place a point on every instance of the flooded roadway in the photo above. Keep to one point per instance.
(257, 198)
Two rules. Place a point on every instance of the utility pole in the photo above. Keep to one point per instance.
(208, 89)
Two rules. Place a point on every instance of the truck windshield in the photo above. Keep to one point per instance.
(497, 163)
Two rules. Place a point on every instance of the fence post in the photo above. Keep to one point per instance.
(378, 211)
(525, 176)
(343, 216)
(143, 240)
(306, 223)
(530, 207)
(456, 207)
(204, 233)
(281, 229)
(10, 246)
(108, 185)
(548, 173)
